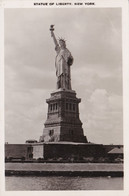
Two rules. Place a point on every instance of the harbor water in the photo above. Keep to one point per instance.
(24, 183)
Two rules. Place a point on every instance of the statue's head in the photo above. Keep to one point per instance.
(62, 43)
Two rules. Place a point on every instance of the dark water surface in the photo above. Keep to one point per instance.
(19, 183)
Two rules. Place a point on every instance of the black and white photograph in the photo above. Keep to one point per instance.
(63, 98)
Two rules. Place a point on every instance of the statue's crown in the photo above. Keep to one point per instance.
(61, 39)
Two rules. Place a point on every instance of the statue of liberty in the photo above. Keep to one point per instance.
(63, 61)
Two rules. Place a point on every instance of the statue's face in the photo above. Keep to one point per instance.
(62, 44)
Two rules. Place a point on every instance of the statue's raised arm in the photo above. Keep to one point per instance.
(53, 35)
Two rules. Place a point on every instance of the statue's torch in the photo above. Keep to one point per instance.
(52, 29)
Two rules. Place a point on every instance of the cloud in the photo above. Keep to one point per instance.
(103, 117)
(25, 115)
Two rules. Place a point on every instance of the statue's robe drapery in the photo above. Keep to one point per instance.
(63, 62)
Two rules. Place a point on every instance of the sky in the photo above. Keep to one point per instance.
(94, 38)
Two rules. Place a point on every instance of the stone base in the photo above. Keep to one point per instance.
(62, 133)
(63, 122)
(67, 150)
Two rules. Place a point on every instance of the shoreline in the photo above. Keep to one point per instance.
(65, 173)
(64, 169)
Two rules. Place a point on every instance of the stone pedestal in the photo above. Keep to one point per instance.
(67, 151)
(63, 123)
